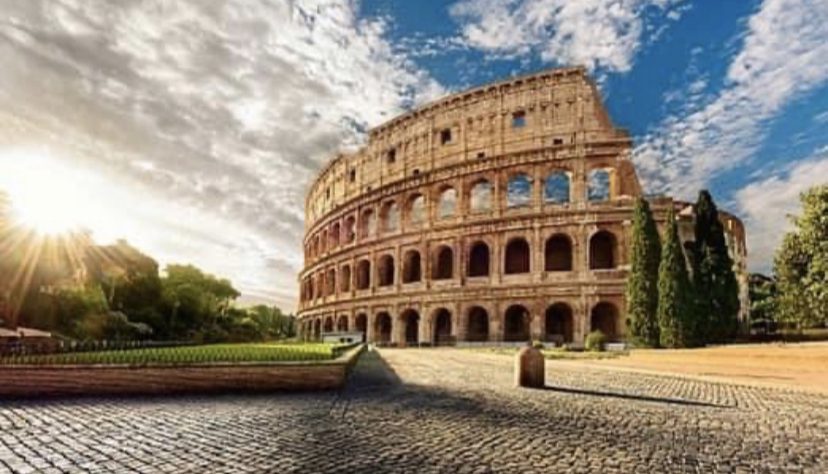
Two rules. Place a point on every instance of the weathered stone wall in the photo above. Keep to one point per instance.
(499, 213)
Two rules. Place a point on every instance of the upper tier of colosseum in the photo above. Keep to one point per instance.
(558, 110)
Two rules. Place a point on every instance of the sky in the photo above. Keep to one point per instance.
(193, 128)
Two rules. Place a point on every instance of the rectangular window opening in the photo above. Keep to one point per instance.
(445, 136)
(352, 175)
(519, 119)
(391, 156)
(557, 141)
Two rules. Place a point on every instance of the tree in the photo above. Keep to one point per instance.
(675, 312)
(763, 302)
(193, 299)
(714, 281)
(642, 283)
(801, 264)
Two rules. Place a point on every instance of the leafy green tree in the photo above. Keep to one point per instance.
(763, 302)
(714, 280)
(194, 300)
(642, 283)
(675, 311)
(801, 264)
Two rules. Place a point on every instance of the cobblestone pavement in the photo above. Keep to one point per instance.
(426, 411)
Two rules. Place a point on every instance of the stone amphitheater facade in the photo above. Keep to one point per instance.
(501, 213)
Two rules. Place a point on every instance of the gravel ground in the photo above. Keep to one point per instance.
(440, 410)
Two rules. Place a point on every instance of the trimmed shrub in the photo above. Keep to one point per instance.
(595, 341)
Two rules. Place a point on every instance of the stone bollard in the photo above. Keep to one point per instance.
(529, 368)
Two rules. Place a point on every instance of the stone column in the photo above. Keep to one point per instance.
(495, 323)
(370, 335)
(459, 323)
(424, 330)
(536, 330)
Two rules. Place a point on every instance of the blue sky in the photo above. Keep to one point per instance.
(193, 128)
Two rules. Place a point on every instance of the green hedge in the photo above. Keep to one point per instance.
(186, 355)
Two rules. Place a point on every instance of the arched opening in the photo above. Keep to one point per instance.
(559, 326)
(361, 324)
(558, 254)
(329, 324)
(519, 191)
(517, 257)
(390, 216)
(556, 188)
(602, 251)
(336, 235)
(342, 323)
(385, 271)
(477, 328)
(382, 328)
(479, 260)
(345, 280)
(599, 185)
(442, 327)
(480, 196)
(363, 276)
(330, 282)
(604, 318)
(411, 321)
(317, 329)
(325, 240)
(368, 224)
(350, 229)
(447, 203)
(320, 285)
(416, 209)
(516, 324)
(443, 268)
(412, 271)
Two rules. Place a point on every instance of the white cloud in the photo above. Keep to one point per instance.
(765, 205)
(782, 58)
(599, 34)
(212, 117)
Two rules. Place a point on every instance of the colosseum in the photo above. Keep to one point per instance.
(498, 214)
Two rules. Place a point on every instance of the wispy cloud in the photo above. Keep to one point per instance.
(766, 204)
(599, 34)
(212, 117)
(782, 58)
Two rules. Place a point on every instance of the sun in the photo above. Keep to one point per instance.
(44, 194)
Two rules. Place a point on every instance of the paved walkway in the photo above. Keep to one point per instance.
(424, 411)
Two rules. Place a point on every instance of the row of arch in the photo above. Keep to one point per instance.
(519, 190)
(443, 328)
(517, 259)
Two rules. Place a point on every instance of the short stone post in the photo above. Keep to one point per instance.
(529, 368)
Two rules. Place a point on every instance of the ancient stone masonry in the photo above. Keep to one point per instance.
(501, 213)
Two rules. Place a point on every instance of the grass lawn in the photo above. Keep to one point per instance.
(184, 355)
(553, 354)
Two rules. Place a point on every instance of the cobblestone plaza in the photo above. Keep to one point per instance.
(439, 410)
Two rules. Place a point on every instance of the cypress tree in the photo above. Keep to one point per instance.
(642, 283)
(674, 290)
(714, 281)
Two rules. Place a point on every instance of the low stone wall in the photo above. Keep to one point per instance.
(23, 381)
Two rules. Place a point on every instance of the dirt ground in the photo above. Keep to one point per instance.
(802, 366)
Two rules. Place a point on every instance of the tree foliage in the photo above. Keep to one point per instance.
(714, 280)
(642, 282)
(675, 311)
(764, 298)
(801, 264)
